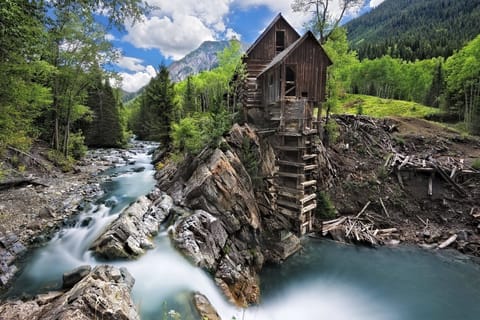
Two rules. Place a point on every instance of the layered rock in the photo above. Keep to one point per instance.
(225, 194)
(104, 293)
(131, 233)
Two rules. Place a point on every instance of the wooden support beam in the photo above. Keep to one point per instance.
(309, 207)
(291, 163)
(309, 183)
(308, 198)
(291, 175)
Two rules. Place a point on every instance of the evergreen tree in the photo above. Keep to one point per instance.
(155, 116)
(105, 128)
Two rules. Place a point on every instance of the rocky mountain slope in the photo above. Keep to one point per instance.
(200, 59)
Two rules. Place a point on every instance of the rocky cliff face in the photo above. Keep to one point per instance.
(218, 214)
(103, 293)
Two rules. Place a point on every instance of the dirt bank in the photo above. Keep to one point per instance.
(411, 177)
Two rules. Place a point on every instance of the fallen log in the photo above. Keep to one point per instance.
(14, 183)
(447, 242)
(363, 210)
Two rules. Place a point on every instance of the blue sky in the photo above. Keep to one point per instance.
(180, 26)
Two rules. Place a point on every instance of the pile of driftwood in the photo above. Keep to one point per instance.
(374, 132)
(358, 229)
(448, 168)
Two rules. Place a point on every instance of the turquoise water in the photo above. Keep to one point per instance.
(326, 280)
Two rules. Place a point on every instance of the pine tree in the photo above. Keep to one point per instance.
(106, 129)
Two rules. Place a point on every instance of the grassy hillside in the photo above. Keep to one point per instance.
(378, 107)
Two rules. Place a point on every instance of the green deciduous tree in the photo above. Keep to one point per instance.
(326, 14)
(462, 72)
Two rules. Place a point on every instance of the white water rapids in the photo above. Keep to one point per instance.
(314, 285)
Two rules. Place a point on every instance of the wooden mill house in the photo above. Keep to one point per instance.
(286, 83)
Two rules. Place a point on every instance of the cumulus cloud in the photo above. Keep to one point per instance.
(130, 63)
(174, 37)
(375, 3)
(231, 34)
(132, 82)
(179, 26)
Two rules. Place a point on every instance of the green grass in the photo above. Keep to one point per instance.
(378, 107)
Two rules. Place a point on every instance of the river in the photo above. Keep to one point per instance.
(326, 280)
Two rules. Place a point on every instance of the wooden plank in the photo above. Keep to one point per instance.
(291, 190)
(289, 148)
(311, 167)
(288, 212)
(293, 195)
(309, 183)
(291, 163)
(308, 198)
(309, 208)
(288, 204)
(291, 175)
(309, 156)
(289, 133)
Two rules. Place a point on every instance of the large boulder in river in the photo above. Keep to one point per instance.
(131, 233)
(221, 233)
(105, 293)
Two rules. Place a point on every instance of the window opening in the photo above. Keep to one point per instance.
(279, 41)
(290, 81)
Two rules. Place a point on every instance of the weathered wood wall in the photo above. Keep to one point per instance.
(265, 49)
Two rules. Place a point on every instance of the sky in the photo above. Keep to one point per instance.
(177, 27)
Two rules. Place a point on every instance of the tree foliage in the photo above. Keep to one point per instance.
(326, 14)
(154, 116)
(463, 84)
(411, 29)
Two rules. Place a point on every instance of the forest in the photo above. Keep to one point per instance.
(411, 30)
(55, 87)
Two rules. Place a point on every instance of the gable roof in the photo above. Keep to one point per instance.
(267, 29)
(285, 53)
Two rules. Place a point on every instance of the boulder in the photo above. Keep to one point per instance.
(105, 293)
(130, 234)
(204, 307)
(72, 277)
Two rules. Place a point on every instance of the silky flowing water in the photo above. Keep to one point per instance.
(325, 280)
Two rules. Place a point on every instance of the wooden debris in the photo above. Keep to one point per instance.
(384, 208)
(357, 230)
(448, 169)
(363, 210)
(447, 242)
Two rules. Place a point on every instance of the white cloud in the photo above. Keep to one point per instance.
(375, 3)
(179, 26)
(132, 82)
(230, 34)
(174, 37)
(110, 37)
(130, 64)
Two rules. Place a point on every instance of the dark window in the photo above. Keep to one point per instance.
(290, 79)
(280, 41)
(304, 94)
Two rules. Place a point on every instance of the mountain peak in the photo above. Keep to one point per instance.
(201, 59)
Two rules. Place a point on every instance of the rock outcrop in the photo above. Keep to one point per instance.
(105, 293)
(204, 307)
(222, 197)
(131, 234)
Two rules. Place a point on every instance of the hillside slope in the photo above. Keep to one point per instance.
(415, 29)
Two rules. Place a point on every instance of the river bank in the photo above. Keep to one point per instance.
(31, 213)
